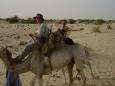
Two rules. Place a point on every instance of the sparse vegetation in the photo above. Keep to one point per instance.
(109, 26)
(27, 21)
(109, 21)
(71, 21)
(85, 21)
(93, 21)
(14, 19)
(30, 20)
(96, 29)
(99, 22)
(0, 18)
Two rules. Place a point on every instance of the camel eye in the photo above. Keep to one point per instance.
(51, 37)
(4, 49)
(57, 39)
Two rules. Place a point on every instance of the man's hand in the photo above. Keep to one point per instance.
(34, 36)
(30, 34)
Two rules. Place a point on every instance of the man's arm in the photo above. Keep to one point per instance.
(34, 36)
(74, 29)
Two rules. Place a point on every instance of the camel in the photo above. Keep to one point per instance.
(60, 58)
(35, 61)
(58, 37)
(60, 41)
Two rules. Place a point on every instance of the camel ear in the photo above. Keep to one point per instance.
(51, 37)
(84, 44)
(5, 48)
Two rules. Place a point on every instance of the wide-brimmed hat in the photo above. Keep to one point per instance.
(38, 16)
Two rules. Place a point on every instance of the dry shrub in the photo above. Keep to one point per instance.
(96, 29)
(109, 26)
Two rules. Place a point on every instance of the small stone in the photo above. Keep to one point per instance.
(23, 43)
(17, 37)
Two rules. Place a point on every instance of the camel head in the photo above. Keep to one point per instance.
(59, 39)
(58, 36)
(5, 54)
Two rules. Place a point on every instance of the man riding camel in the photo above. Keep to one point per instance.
(65, 29)
(41, 36)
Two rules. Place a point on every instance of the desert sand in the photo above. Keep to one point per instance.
(102, 52)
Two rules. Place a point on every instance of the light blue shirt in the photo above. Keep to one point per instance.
(43, 30)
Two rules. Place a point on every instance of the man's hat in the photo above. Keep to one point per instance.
(38, 15)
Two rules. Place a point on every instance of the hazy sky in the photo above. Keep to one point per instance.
(59, 9)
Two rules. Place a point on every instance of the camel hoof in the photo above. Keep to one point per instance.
(65, 84)
(78, 78)
(96, 77)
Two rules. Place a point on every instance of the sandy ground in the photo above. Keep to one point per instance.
(102, 52)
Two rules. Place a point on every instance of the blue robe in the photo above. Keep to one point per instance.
(11, 81)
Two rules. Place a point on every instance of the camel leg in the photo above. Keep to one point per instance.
(32, 82)
(77, 74)
(40, 80)
(81, 72)
(70, 71)
(90, 67)
(63, 71)
(48, 79)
